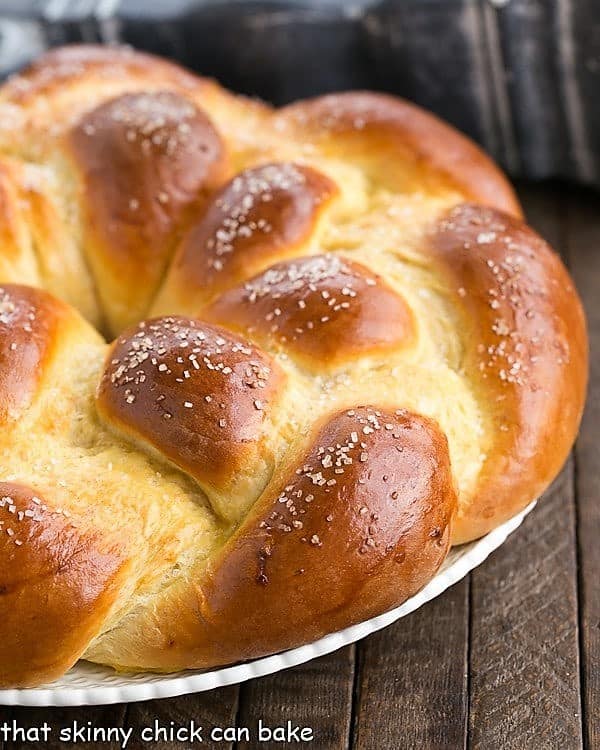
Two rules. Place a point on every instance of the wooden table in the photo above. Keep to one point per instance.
(507, 659)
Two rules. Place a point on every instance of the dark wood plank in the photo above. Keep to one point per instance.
(317, 695)
(5, 714)
(412, 682)
(215, 708)
(64, 718)
(584, 254)
(524, 653)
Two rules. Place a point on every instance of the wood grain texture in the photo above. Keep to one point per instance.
(317, 694)
(524, 643)
(216, 708)
(412, 679)
(524, 654)
(584, 255)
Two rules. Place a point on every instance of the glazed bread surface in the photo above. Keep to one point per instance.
(337, 350)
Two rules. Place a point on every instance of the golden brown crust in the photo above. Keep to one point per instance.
(526, 350)
(31, 321)
(351, 526)
(200, 396)
(148, 162)
(324, 310)
(57, 584)
(263, 214)
(382, 131)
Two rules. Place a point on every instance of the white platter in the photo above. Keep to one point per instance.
(88, 684)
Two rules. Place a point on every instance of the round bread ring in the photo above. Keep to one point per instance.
(339, 350)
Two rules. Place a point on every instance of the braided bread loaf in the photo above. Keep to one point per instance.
(339, 350)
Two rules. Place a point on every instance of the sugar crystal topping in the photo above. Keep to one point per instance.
(154, 120)
(175, 351)
(519, 329)
(326, 471)
(16, 312)
(240, 205)
(324, 286)
(14, 524)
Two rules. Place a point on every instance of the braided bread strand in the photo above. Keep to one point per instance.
(339, 350)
